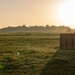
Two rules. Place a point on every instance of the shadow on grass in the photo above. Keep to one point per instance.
(62, 63)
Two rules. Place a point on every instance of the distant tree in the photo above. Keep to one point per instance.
(47, 25)
(24, 25)
(68, 29)
(54, 27)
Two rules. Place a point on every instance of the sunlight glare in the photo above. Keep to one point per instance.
(66, 14)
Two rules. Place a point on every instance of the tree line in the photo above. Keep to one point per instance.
(36, 28)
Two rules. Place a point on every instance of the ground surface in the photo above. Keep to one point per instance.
(34, 54)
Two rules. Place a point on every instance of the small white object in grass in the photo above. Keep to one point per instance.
(18, 53)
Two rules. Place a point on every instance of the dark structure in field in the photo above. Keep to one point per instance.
(67, 41)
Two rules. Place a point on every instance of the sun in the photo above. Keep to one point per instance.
(66, 13)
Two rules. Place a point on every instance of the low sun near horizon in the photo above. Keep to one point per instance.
(39, 12)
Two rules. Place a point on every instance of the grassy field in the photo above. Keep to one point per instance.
(34, 54)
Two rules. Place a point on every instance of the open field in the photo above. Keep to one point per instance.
(34, 54)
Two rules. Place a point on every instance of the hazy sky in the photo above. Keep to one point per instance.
(34, 12)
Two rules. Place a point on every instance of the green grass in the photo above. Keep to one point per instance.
(39, 54)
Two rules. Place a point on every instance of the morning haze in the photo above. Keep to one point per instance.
(36, 37)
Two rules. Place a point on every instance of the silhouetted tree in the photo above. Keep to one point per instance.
(47, 25)
(24, 25)
(68, 29)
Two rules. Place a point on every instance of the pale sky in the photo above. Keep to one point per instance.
(37, 12)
